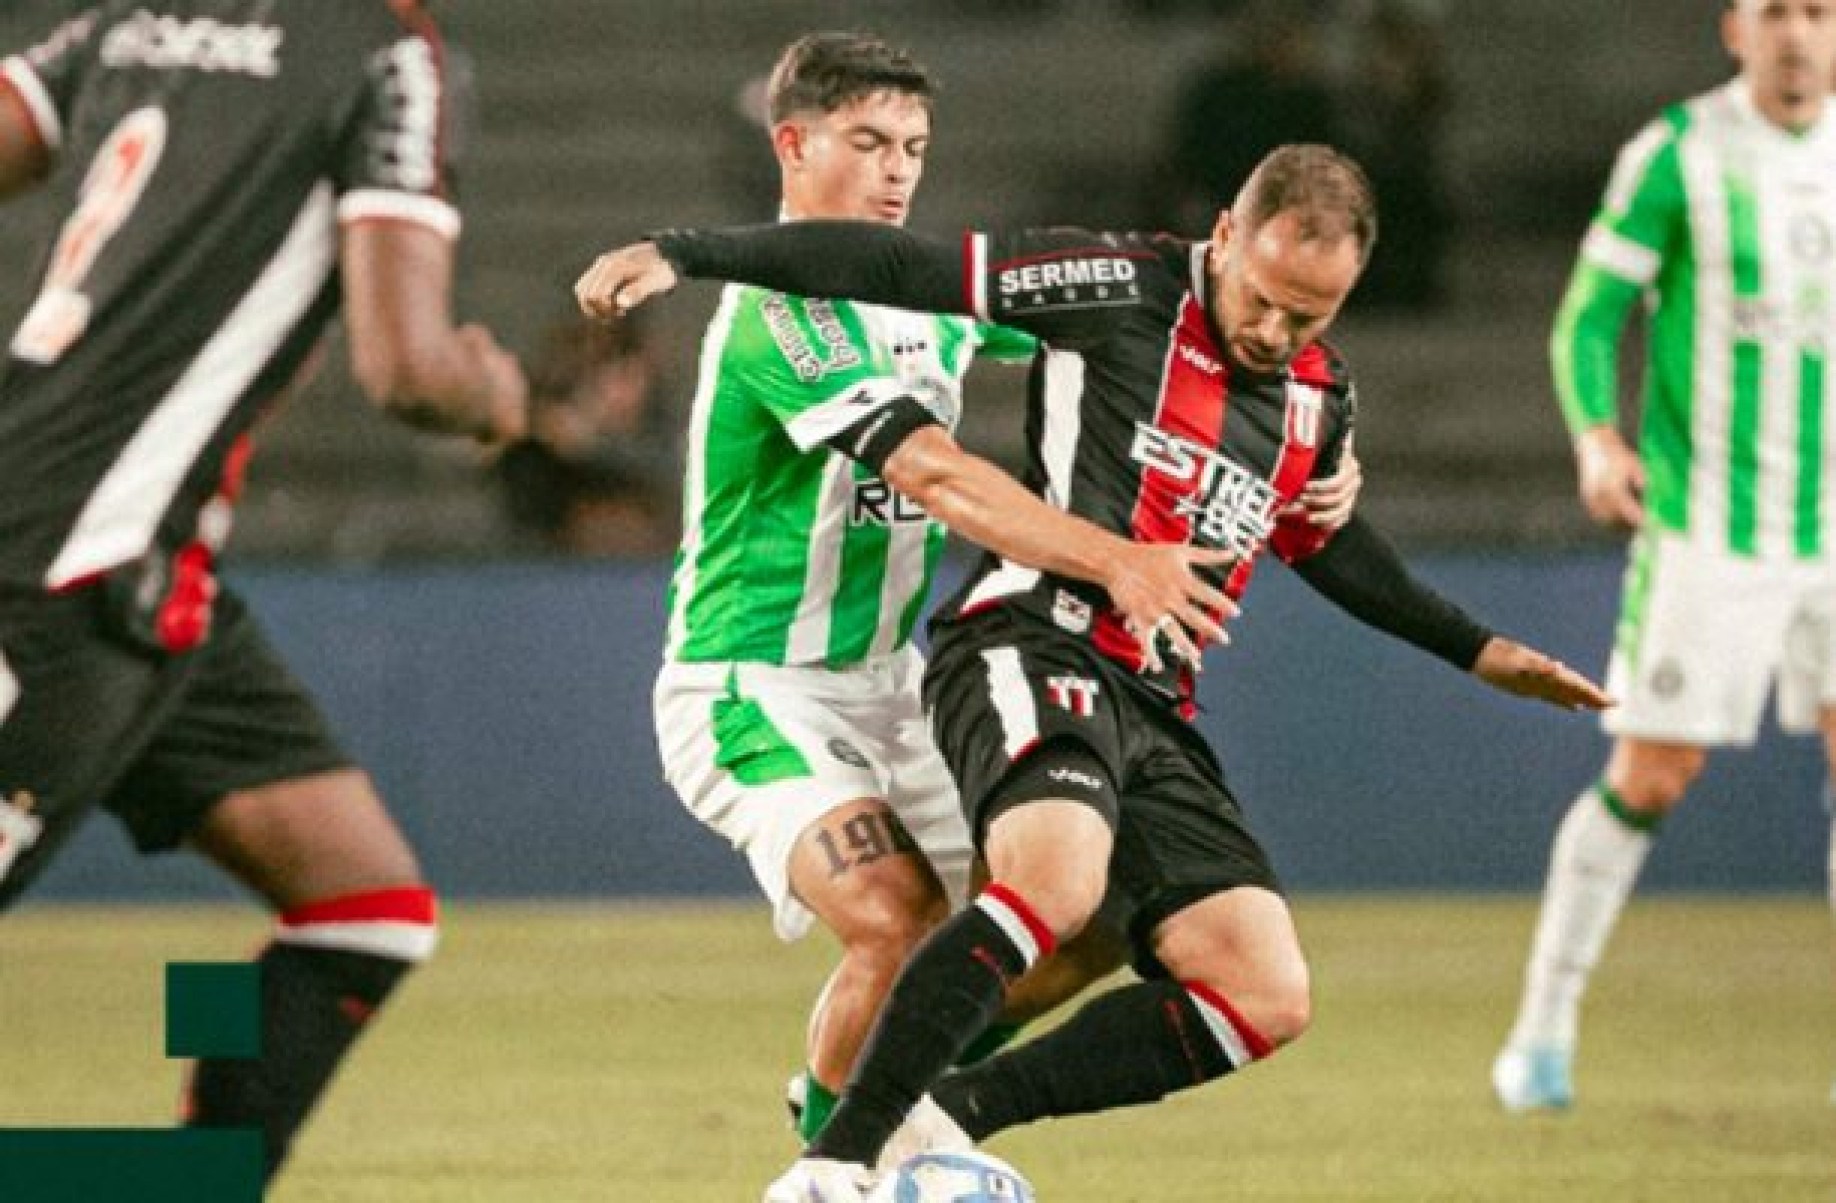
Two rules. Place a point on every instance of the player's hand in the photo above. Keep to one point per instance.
(507, 388)
(1328, 503)
(1157, 589)
(619, 281)
(1508, 665)
(1612, 479)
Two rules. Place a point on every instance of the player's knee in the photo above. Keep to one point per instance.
(1284, 1015)
(1656, 790)
(887, 923)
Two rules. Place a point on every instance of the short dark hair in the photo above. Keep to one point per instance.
(1326, 190)
(825, 71)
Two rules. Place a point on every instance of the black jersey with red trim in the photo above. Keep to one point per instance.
(1139, 420)
(206, 152)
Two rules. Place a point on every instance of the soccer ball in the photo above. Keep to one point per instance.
(966, 1177)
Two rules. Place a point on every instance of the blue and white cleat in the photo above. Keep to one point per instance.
(1534, 1078)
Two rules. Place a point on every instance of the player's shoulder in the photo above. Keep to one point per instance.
(1323, 366)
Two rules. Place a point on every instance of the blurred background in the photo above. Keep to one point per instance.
(485, 632)
(1488, 129)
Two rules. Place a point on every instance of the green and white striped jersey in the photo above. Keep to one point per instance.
(792, 553)
(1726, 225)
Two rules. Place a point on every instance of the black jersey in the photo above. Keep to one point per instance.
(1139, 421)
(208, 150)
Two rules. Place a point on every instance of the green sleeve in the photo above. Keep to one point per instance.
(806, 362)
(1006, 344)
(1642, 220)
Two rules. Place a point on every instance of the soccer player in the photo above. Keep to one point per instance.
(1721, 216)
(1182, 396)
(230, 170)
(820, 462)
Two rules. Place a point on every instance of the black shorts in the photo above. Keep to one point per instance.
(1023, 711)
(158, 739)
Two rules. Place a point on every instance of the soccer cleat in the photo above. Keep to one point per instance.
(1534, 1078)
(928, 1128)
(796, 1097)
(820, 1180)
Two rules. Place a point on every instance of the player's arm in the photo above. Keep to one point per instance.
(859, 260)
(1360, 572)
(24, 157)
(407, 354)
(1620, 258)
(399, 238)
(1060, 284)
(38, 89)
(1147, 582)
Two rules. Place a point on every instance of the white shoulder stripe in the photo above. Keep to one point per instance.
(1630, 261)
(38, 101)
(365, 204)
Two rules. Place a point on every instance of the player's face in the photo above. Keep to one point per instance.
(1787, 50)
(861, 162)
(1273, 292)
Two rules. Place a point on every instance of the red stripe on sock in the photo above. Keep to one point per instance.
(1259, 1045)
(1042, 935)
(404, 904)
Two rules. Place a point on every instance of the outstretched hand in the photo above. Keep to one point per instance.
(1508, 665)
(1157, 589)
(621, 280)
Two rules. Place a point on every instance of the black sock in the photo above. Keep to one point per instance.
(949, 990)
(1130, 1046)
(314, 1003)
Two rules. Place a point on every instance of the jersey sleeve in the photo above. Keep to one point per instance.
(1061, 285)
(396, 164)
(47, 77)
(1640, 220)
(812, 366)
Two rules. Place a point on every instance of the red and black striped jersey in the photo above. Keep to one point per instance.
(206, 152)
(1139, 420)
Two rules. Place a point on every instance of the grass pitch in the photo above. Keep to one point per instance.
(626, 1052)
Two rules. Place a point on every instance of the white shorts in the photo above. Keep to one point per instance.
(758, 752)
(1704, 634)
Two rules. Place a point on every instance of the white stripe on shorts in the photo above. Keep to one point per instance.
(1012, 698)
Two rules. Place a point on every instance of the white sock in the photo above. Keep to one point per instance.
(1592, 866)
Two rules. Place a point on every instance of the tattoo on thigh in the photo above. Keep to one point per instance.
(864, 839)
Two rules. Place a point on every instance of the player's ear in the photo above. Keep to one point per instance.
(1220, 232)
(791, 142)
(1731, 33)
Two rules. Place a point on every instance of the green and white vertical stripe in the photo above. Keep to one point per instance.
(791, 553)
(1730, 222)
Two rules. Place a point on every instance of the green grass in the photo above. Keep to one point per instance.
(553, 1055)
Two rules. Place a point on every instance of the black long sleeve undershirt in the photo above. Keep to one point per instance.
(860, 260)
(1361, 573)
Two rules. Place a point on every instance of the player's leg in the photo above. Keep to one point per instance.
(1047, 842)
(787, 765)
(244, 770)
(1223, 983)
(1699, 639)
(863, 877)
(1599, 848)
(354, 917)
